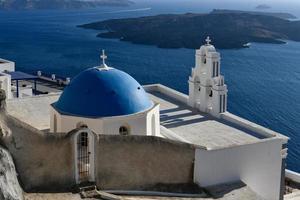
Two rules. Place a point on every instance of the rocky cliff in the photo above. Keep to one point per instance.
(9, 185)
(10, 188)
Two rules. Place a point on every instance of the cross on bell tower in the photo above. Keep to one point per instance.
(208, 40)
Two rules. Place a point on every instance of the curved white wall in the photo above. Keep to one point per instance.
(138, 124)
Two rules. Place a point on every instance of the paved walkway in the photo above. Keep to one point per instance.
(236, 191)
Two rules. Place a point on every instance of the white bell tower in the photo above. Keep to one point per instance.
(207, 91)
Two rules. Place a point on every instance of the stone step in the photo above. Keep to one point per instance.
(108, 196)
(88, 188)
(91, 191)
(88, 194)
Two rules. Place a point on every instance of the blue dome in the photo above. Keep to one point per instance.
(99, 93)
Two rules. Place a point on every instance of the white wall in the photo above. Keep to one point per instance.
(138, 124)
(6, 65)
(67, 123)
(153, 122)
(25, 91)
(5, 80)
(258, 165)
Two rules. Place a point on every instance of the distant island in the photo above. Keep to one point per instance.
(228, 30)
(273, 14)
(59, 4)
(263, 7)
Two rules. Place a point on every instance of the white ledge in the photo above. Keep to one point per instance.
(265, 132)
(294, 176)
(183, 98)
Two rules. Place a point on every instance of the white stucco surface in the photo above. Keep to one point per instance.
(34, 111)
(5, 84)
(138, 124)
(199, 128)
(6, 65)
(257, 165)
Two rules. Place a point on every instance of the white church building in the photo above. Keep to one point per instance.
(104, 101)
(119, 106)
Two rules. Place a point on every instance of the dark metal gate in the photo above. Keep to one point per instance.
(83, 156)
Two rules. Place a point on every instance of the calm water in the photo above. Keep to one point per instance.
(263, 80)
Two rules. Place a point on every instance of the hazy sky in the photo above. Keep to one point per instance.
(284, 3)
(292, 6)
(231, 1)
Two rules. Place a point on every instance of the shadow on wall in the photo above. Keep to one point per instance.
(43, 161)
(142, 162)
(9, 185)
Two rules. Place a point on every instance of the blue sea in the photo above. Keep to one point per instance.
(263, 81)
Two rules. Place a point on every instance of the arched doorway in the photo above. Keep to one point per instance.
(84, 156)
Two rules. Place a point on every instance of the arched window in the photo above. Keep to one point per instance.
(123, 130)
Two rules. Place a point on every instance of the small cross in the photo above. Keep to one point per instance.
(208, 40)
(103, 57)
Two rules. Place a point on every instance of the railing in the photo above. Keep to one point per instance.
(53, 78)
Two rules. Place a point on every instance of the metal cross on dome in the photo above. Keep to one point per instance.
(103, 57)
(208, 40)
